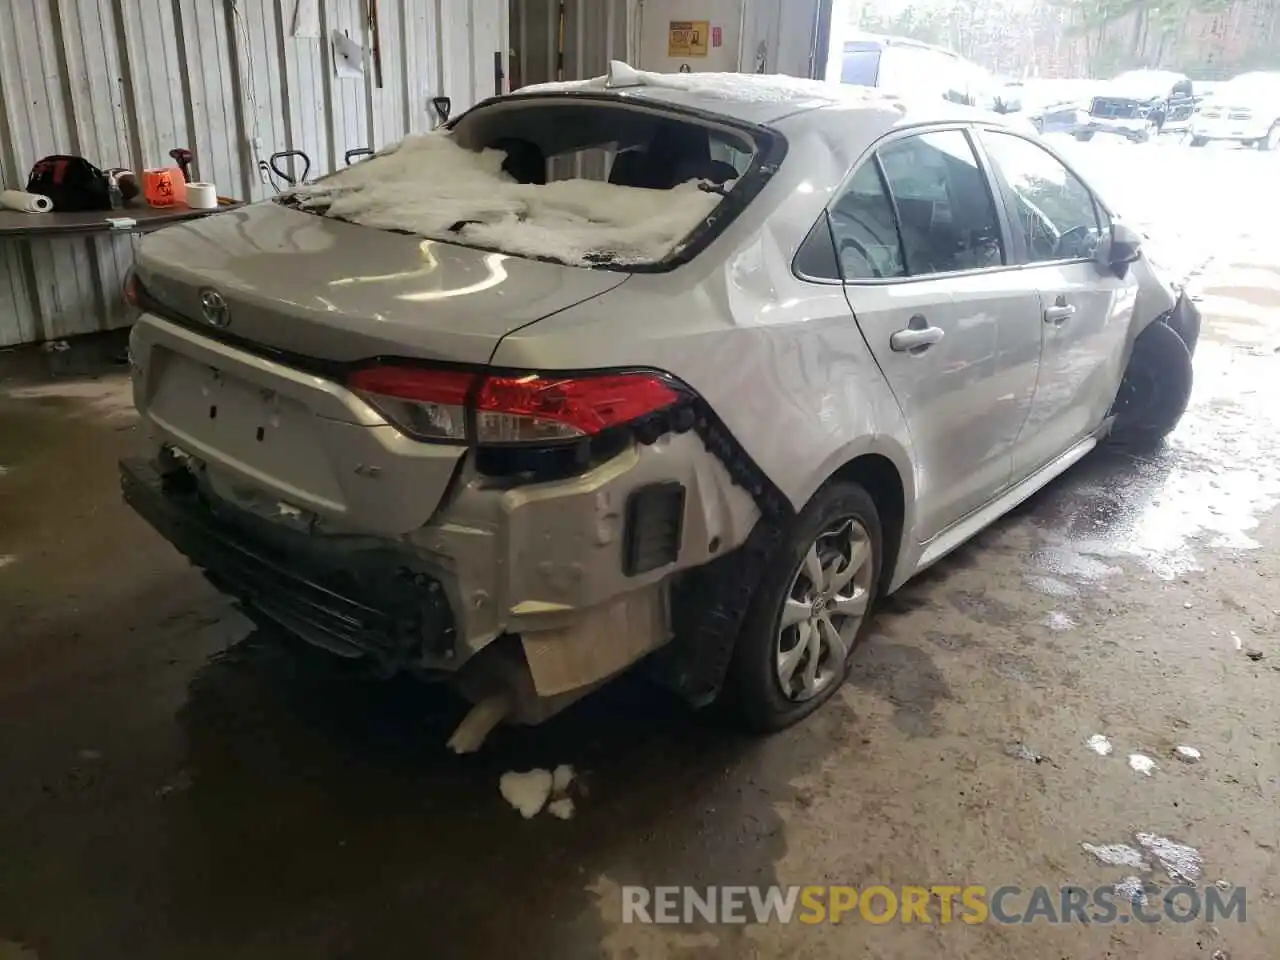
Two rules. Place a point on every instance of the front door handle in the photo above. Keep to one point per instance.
(1059, 313)
(916, 338)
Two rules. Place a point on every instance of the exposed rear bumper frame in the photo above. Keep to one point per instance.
(406, 620)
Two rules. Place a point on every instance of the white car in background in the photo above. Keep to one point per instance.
(1245, 110)
(1053, 105)
(909, 66)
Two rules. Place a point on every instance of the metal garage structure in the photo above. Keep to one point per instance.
(571, 39)
(122, 82)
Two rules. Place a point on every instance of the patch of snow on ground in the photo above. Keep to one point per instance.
(1141, 763)
(1180, 862)
(561, 778)
(561, 809)
(1099, 744)
(427, 184)
(1132, 889)
(527, 792)
(1187, 754)
(1118, 855)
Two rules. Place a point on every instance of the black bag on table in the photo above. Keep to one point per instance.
(72, 183)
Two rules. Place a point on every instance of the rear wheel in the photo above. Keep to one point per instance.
(1199, 141)
(811, 611)
(1084, 135)
(1155, 390)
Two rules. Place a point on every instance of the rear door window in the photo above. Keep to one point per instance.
(946, 214)
(865, 230)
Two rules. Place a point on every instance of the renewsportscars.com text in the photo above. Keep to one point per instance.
(937, 903)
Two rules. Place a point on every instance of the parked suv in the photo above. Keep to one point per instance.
(1139, 105)
(1244, 110)
(459, 411)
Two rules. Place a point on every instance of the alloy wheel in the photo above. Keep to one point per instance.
(824, 609)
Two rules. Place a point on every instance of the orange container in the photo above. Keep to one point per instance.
(164, 187)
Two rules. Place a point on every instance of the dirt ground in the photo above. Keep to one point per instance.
(177, 785)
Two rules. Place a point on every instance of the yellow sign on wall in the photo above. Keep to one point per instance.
(688, 38)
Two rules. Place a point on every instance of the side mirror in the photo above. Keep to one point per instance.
(1126, 244)
(1119, 249)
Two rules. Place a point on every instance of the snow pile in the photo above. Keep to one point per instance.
(429, 185)
(529, 791)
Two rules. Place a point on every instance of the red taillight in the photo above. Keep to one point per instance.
(132, 290)
(433, 404)
(428, 404)
(521, 409)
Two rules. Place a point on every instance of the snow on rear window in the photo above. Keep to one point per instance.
(430, 186)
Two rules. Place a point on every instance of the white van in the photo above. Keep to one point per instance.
(911, 67)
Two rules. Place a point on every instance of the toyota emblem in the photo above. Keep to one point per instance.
(214, 309)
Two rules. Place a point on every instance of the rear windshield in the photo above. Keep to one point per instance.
(567, 179)
(861, 64)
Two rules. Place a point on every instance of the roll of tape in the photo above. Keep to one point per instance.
(202, 196)
(25, 202)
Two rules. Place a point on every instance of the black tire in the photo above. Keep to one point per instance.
(1264, 143)
(1155, 390)
(1084, 135)
(753, 691)
(1199, 141)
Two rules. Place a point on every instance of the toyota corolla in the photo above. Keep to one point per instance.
(686, 370)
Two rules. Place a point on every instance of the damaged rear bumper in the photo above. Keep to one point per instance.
(531, 593)
(367, 603)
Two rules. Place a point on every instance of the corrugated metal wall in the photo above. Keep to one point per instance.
(779, 36)
(122, 82)
(595, 32)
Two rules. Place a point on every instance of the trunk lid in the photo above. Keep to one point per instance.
(269, 435)
(332, 290)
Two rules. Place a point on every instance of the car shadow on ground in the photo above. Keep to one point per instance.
(329, 795)
(318, 810)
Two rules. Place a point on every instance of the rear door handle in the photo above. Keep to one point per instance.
(1059, 313)
(917, 338)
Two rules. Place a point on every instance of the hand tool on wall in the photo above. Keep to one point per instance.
(183, 157)
(375, 42)
(443, 106)
(271, 167)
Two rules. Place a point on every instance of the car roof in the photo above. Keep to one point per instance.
(1255, 76)
(1140, 78)
(752, 98)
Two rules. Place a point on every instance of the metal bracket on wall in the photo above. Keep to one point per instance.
(443, 106)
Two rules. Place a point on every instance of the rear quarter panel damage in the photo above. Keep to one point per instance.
(780, 360)
(539, 557)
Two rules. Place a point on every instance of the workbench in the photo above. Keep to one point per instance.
(16, 225)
